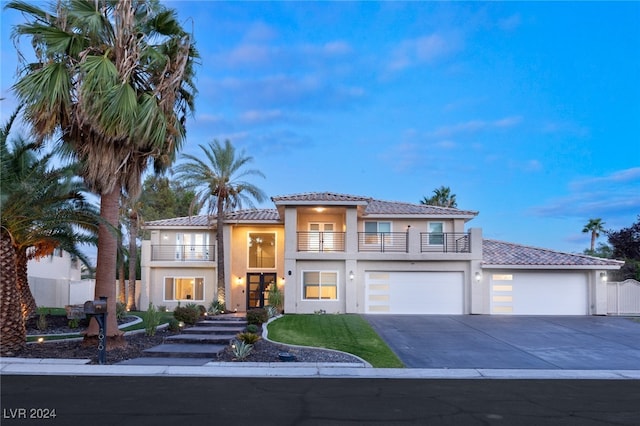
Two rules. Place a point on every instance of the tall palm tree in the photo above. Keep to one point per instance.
(114, 80)
(595, 226)
(216, 178)
(43, 208)
(441, 197)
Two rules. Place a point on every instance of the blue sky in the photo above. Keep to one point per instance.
(529, 112)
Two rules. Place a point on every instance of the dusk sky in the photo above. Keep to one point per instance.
(529, 112)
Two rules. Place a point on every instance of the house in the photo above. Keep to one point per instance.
(349, 254)
(56, 280)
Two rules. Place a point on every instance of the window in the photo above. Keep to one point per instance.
(193, 246)
(375, 230)
(436, 233)
(320, 285)
(262, 250)
(321, 236)
(184, 289)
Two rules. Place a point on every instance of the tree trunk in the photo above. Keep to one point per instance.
(13, 335)
(106, 263)
(133, 260)
(122, 290)
(220, 253)
(593, 241)
(28, 306)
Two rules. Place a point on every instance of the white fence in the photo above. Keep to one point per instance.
(56, 293)
(623, 298)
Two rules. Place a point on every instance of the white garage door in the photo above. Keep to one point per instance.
(414, 292)
(521, 293)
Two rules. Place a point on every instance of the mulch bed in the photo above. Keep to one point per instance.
(263, 350)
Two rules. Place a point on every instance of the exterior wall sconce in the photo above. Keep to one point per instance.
(239, 280)
(478, 276)
(603, 277)
(351, 275)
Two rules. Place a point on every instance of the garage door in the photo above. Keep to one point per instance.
(539, 293)
(414, 292)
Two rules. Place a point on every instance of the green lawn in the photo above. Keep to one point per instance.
(345, 332)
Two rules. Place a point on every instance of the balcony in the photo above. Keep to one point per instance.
(320, 241)
(182, 253)
(383, 242)
(447, 242)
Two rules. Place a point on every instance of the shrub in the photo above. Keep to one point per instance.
(174, 324)
(252, 328)
(121, 311)
(249, 338)
(272, 311)
(74, 323)
(162, 308)
(241, 350)
(275, 298)
(42, 321)
(257, 316)
(202, 310)
(189, 314)
(216, 307)
(152, 319)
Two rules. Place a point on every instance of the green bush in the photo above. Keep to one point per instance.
(216, 307)
(121, 311)
(42, 321)
(257, 316)
(189, 314)
(252, 328)
(152, 320)
(74, 323)
(275, 298)
(249, 338)
(241, 350)
(174, 324)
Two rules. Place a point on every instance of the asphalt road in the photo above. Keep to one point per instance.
(158, 401)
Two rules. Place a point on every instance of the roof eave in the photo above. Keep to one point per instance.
(547, 267)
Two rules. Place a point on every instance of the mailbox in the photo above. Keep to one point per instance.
(95, 307)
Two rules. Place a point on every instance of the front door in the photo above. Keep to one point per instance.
(258, 288)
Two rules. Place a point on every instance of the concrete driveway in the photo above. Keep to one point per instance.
(531, 342)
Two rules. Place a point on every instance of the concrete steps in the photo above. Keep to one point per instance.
(196, 345)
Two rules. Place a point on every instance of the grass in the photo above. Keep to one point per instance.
(345, 332)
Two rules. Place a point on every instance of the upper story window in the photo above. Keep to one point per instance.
(436, 233)
(374, 229)
(262, 250)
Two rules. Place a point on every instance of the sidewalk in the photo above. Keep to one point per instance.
(80, 367)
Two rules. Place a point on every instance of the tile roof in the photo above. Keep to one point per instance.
(319, 197)
(253, 215)
(400, 208)
(373, 207)
(503, 253)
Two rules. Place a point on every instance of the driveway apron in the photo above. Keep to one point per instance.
(523, 342)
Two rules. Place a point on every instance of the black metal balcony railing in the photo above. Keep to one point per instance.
(182, 253)
(383, 242)
(320, 241)
(445, 242)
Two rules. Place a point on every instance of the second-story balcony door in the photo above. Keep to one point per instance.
(321, 236)
(192, 246)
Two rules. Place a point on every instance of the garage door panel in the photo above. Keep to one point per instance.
(539, 294)
(414, 292)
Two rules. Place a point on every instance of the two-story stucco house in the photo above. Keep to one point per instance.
(351, 254)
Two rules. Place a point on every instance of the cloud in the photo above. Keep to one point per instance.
(261, 116)
(473, 126)
(612, 196)
(423, 50)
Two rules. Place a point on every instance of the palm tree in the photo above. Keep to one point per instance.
(114, 80)
(595, 226)
(215, 177)
(441, 197)
(43, 208)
